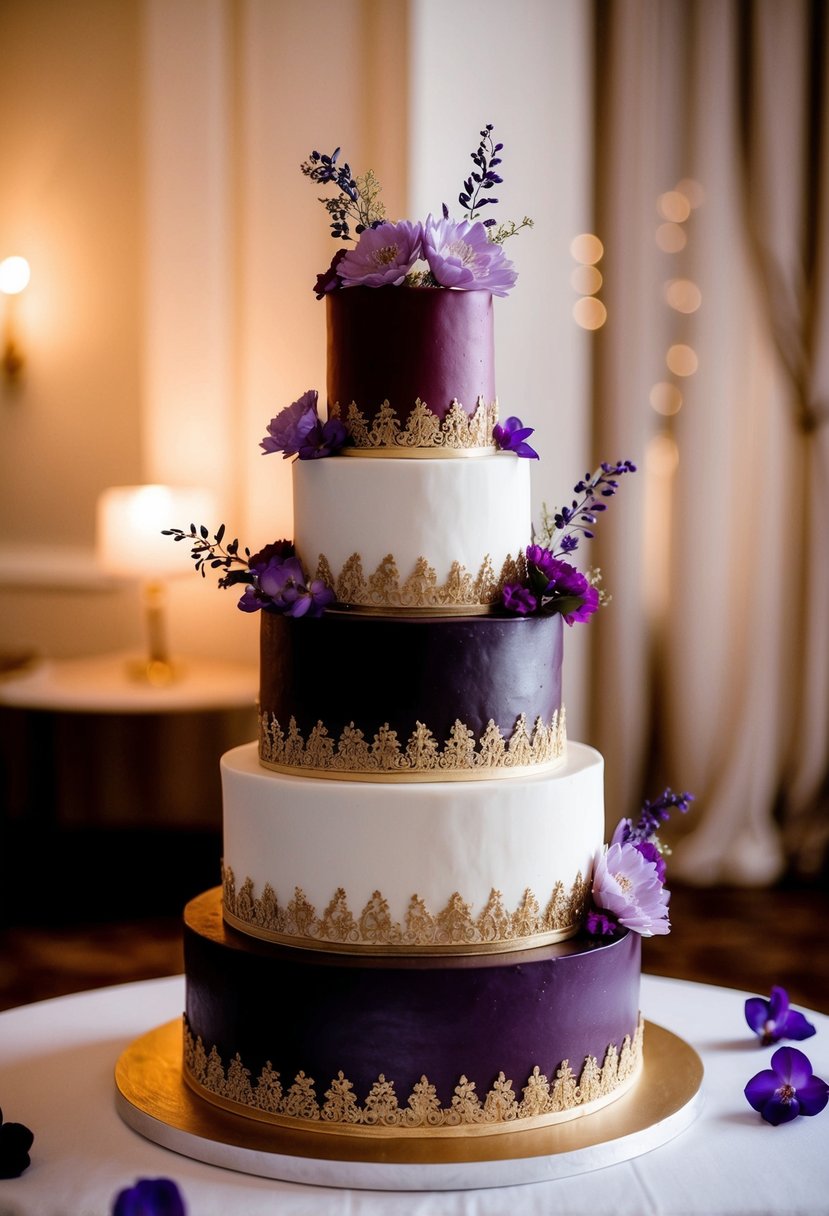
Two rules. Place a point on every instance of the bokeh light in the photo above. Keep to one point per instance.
(683, 295)
(673, 206)
(586, 280)
(692, 190)
(589, 312)
(586, 248)
(682, 360)
(665, 398)
(671, 238)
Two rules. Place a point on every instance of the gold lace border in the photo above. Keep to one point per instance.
(452, 930)
(421, 434)
(460, 592)
(544, 1101)
(462, 757)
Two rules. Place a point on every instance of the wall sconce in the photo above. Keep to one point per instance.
(14, 278)
(129, 545)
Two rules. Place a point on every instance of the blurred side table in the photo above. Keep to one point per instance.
(93, 761)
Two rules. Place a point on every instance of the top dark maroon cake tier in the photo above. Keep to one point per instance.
(398, 344)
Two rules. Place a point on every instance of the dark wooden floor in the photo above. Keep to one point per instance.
(71, 932)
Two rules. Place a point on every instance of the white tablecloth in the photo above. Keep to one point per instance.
(56, 1076)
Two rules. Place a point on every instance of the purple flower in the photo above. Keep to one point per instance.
(289, 429)
(461, 255)
(626, 885)
(583, 611)
(788, 1089)
(15, 1142)
(383, 255)
(512, 436)
(773, 1020)
(281, 585)
(519, 600)
(307, 600)
(598, 924)
(324, 439)
(542, 561)
(330, 280)
(150, 1197)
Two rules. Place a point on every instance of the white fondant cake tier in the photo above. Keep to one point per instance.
(448, 525)
(443, 867)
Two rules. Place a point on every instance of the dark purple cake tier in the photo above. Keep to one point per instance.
(401, 345)
(524, 1028)
(433, 696)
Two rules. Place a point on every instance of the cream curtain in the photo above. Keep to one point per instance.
(711, 667)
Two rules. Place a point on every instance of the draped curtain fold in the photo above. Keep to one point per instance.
(711, 665)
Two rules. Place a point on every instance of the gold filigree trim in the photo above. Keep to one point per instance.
(542, 1100)
(454, 929)
(422, 758)
(383, 587)
(422, 432)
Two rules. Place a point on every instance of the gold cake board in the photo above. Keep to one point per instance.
(153, 1099)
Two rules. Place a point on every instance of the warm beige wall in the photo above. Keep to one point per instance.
(70, 201)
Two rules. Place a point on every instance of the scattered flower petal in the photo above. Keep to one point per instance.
(788, 1089)
(150, 1197)
(773, 1020)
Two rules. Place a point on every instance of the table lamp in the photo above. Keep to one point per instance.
(129, 545)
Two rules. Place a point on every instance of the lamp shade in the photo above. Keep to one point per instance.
(130, 520)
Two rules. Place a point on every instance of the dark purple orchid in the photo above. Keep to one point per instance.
(15, 1142)
(281, 585)
(774, 1020)
(150, 1197)
(329, 280)
(298, 431)
(788, 1089)
(519, 600)
(513, 436)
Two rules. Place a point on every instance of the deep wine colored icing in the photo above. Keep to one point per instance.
(476, 1016)
(431, 343)
(369, 670)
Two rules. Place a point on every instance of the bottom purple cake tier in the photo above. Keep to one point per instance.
(434, 1046)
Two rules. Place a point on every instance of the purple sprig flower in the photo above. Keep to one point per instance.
(578, 520)
(15, 1141)
(513, 436)
(773, 1019)
(150, 1197)
(482, 179)
(652, 816)
(788, 1089)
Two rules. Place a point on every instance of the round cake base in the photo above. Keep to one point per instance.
(153, 1100)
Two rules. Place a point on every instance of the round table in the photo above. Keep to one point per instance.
(56, 1076)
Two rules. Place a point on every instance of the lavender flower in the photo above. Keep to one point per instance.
(460, 255)
(15, 1142)
(291, 426)
(653, 815)
(773, 1020)
(512, 437)
(150, 1197)
(564, 527)
(626, 885)
(383, 255)
(788, 1089)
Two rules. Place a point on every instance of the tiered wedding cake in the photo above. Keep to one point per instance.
(412, 851)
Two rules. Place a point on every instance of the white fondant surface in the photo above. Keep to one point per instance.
(443, 510)
(430, 840)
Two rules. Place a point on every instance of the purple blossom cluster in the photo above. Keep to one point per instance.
(299, 431)
(273, 579)
(551, 586)
(456, 254)
(629, 875)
